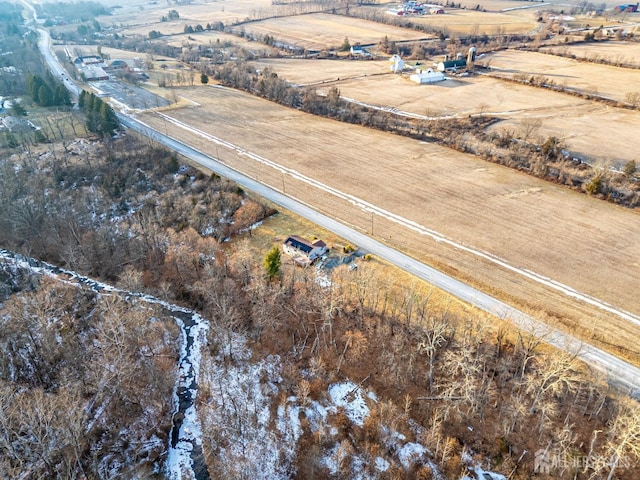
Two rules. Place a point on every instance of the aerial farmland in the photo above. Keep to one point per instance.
(282, 239)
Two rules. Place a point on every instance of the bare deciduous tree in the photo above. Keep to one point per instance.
(623, 440)
(432, 337)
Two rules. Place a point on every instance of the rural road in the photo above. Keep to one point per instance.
(44, 43)
(621, 373)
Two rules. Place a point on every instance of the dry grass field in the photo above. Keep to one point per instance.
(569, 117)
(373, 83)
(316, 71)
(497, 5)
(145, 13)
(610, 82)
(458, 97)
(178, 38)
(612, 51)
(319, 31)
(576, 240)
(212, 37)
(464, 22)
(166, 28)
(588, 132)
(628, 21)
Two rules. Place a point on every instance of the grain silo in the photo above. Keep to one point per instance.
(471, 57)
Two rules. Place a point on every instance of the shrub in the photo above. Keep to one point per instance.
(630, 168)
(595, 186)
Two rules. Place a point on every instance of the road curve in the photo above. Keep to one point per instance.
(619, 372)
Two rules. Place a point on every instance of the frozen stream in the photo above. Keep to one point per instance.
(184, 459)
(185, 441)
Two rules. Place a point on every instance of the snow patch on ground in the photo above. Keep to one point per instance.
(476, 471)
(411, 453)
(323, 280)
(481, 474)
(381, 464)
(349, 396)
(237, 414)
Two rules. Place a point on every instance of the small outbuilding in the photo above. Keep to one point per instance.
(452, 65)
(119, 65)
(427, 76)
(359, 51)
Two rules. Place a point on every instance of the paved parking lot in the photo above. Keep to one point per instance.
(129, 95)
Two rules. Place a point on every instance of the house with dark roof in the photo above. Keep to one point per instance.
(119, 65)
(89, 60)
(359, 51)
(302, 250)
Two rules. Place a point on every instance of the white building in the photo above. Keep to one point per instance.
(397, 64)
(427, 76)
(360, 51)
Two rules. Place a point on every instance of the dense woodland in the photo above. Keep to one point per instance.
(119, 211)
(86, 381)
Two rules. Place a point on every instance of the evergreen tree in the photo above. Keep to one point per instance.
(48, 91)
(92, 121)
(108, 120)
(45, 97)
(90, 102)
(272, 263)
(346, 45)
(17, 109)
(62, 97)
